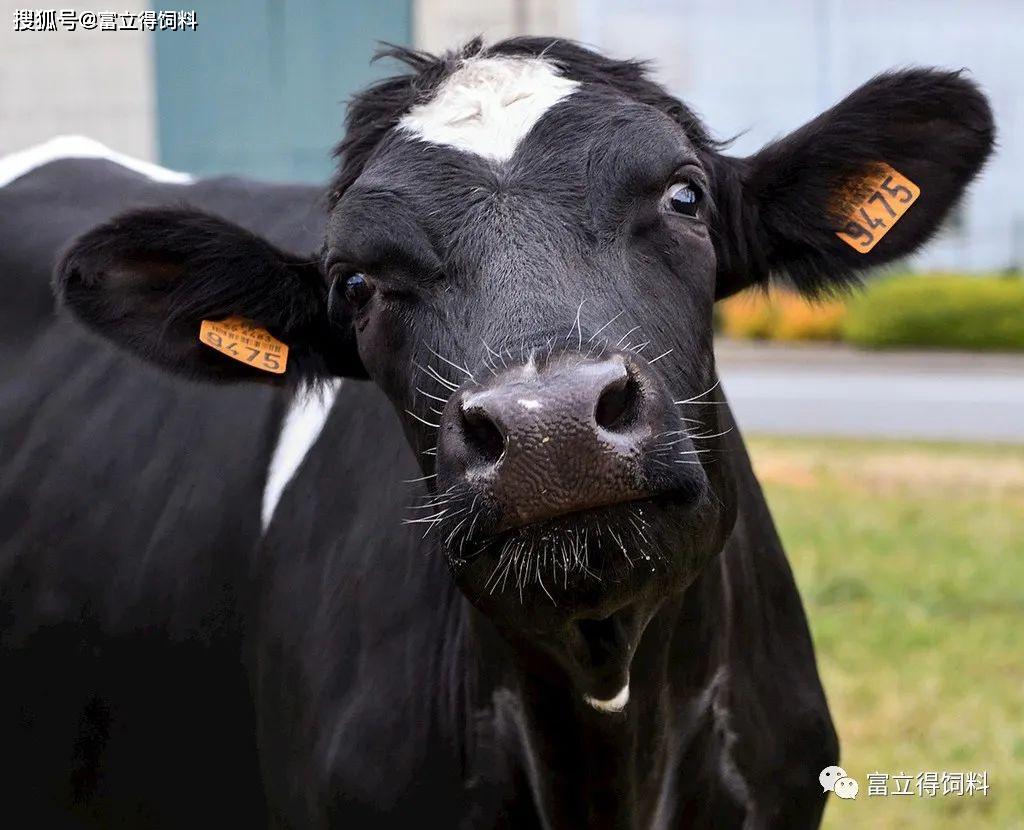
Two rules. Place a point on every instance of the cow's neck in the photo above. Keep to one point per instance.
(582, 767)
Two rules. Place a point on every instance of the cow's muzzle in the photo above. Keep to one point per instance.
(570, 436)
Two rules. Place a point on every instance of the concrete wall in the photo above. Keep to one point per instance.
(96, 83)
(443, 24)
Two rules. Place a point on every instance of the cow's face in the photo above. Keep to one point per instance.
(536, 298)
(523, 251)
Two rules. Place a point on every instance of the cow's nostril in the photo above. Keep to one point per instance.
(619, 405)
(482, 435)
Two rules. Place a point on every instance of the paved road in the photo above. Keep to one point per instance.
(813, 390)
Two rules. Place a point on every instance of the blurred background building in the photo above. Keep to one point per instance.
(259, 88)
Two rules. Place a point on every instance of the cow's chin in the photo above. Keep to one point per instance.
(583, 587)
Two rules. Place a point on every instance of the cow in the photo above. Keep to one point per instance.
(484, 548)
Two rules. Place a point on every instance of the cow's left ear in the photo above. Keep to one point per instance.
(903, 148)
(146, 280)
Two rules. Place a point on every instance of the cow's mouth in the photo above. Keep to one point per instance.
(601, 650)
(580, 563)
(583, 586)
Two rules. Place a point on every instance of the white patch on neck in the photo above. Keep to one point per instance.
(612, 705)
(488, 105)
(16, 165)
(302, 425)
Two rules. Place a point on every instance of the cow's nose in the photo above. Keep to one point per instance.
(557, 440)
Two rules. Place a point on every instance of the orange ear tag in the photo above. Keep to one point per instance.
(246, 343)
(888, 194)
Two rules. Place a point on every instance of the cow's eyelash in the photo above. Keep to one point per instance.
(688, 172)
(337, 266)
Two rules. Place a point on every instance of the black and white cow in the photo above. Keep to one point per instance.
(231, 603)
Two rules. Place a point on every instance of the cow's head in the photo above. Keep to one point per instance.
(523, 250)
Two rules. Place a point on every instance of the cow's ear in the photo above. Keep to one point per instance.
(915, 137)
(147, 280)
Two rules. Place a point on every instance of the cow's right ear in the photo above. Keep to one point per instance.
(865, 183)
(146, 280)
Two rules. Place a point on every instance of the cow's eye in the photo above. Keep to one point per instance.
(683, 198)
(358, 290)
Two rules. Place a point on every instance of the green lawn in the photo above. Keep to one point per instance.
(910, 560)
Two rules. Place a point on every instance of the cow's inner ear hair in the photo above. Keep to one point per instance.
(146, 280)
(780, 210)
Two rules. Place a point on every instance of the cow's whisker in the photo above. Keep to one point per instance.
(494, 355)
(423, 519)
(454, 365)
(710, 389)
(433, 374)
(433, 397)
(578, 325)
(455, 530)
(597, 348)
(421, 478)
(596, 333)
(625, 337)
(423, 420)
(709, 437)
(431, 505)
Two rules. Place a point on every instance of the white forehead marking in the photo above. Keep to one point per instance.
(615, 704)
(305, 419)
(488, 105)
(16, 165)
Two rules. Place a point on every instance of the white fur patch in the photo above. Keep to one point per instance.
(16, 165)
(302, 425)
(488, 105)
(612, 705)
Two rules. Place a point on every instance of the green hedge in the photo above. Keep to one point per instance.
(947, 311)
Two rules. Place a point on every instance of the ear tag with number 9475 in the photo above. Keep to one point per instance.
(245, 342)
(888, 194)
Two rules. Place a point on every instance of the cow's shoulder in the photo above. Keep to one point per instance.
(128, 498)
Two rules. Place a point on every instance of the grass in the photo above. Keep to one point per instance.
(910, 560)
